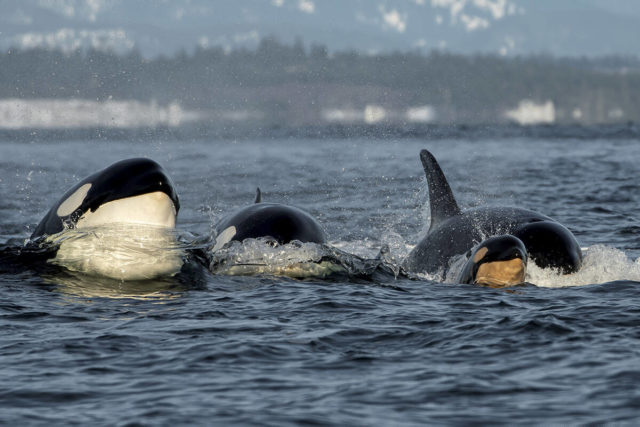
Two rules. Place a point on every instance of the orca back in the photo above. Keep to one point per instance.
(284, 223)
(441, 201)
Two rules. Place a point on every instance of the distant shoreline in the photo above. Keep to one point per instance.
(629, 131)
(292, 86)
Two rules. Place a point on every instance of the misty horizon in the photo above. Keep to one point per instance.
(280, 84)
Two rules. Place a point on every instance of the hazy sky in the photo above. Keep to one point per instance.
(506, 27)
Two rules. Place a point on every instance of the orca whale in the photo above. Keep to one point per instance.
(136, 191)
(283, 223)
(118, 222)
(260, 230)
(454, 232)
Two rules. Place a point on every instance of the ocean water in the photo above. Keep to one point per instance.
(349, 349)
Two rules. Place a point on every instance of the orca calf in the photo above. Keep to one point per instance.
(283, 223)
(117, 222)
(455, 232)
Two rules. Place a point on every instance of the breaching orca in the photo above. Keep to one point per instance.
(455, 232)
(117, 223)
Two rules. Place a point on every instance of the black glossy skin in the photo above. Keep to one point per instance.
(454, 232)
(126, 178)
(284, 223)
(500, 248)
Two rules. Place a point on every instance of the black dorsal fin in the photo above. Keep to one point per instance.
(443, 204)
(258, 195)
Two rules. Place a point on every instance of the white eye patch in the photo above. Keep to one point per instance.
(74, 201)
(224, 237)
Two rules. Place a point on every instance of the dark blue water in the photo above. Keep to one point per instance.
(217, 349)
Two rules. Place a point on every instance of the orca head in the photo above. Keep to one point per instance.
(282, 223)
(498, 262)
(136, 191)
(551, 245)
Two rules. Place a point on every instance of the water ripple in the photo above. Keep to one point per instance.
(369, 347)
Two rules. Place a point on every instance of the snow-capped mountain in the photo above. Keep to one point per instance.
(507, 27)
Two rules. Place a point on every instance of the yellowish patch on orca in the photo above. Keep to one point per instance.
(479, 255)
(501, 273)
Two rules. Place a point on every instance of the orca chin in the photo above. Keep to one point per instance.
(153, 209)
(454, 232)
(497, 262)
(118, 222)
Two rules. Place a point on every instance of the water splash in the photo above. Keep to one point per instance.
(266, 256)
(601, 264)
(295, 259)
(120, 251)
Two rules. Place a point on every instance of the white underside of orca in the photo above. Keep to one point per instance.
(149, 209)
(126, 239)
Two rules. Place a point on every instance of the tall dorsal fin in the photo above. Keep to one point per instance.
(443, 204)
(258, 195)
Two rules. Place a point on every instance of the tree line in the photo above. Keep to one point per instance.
(295, 82)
